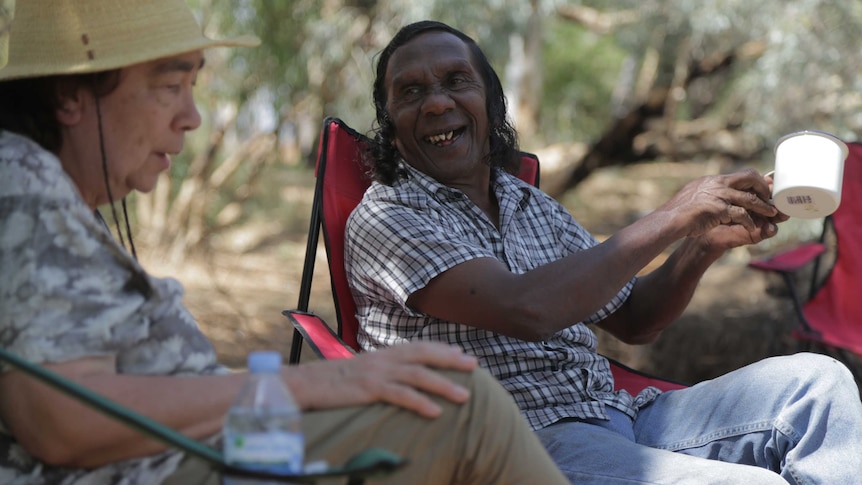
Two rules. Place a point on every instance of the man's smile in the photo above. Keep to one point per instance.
(445, 138)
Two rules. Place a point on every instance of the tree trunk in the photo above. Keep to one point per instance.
(655, 112)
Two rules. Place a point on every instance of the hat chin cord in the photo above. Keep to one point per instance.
(108, 188)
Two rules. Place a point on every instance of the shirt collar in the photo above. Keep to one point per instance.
(505, 187)
(430, 184)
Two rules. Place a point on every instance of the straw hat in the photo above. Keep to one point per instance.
(6, 7)
(49, 37)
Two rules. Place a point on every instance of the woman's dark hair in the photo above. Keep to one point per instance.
(503, 139)
(28, 106)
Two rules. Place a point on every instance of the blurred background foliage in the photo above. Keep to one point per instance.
(591, 84)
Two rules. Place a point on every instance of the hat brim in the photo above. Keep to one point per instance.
(56, 37)
(30, 70)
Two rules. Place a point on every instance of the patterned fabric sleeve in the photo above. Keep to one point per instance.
(68, 291)
(66, 297)
(61, 301)
(573, 237)
(402, 251)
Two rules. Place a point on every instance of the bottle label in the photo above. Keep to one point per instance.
(275, 450)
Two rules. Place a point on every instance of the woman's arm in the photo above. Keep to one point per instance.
(60, 430)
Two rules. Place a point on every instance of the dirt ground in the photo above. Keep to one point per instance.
(238, 294)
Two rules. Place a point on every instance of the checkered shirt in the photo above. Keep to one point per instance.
(402, 236)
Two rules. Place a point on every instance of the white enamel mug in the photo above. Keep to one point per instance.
(809, 169)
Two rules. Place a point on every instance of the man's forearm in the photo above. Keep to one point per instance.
(661, 296)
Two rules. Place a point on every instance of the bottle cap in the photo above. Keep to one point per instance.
(262, 361)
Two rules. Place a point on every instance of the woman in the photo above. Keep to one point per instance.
(95, 99)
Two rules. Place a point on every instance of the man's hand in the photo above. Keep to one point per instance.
(724, 237)
(736, 199)
(403, 375)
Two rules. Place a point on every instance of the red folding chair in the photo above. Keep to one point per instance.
(341, 181)
(830, 317)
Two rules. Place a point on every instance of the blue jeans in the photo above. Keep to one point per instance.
(793, 419)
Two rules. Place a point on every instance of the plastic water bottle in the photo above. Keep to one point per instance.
(262, 430)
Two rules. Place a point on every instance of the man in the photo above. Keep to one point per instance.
(448, 246)
(96, 97)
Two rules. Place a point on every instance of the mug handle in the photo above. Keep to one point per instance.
(771, 174)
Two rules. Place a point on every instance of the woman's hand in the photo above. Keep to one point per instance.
(403, 375)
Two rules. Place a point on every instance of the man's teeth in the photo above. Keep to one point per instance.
(441, 137)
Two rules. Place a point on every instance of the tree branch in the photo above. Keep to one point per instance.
(596, 20)
(617, 146)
